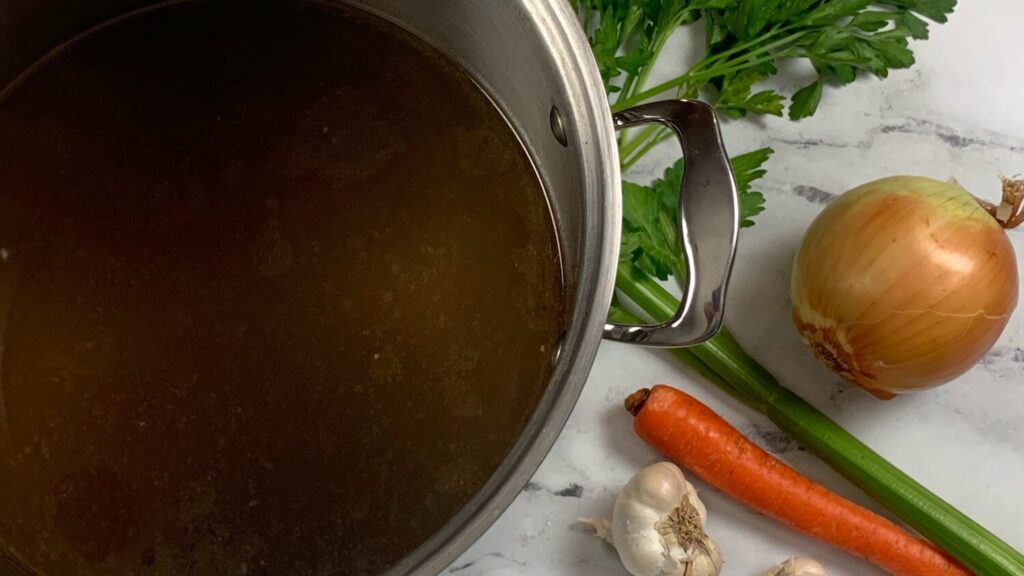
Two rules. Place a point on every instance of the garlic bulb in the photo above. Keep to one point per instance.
(798, 566)
(657, 526)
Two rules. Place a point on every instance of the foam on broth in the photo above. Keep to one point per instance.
(279, 289)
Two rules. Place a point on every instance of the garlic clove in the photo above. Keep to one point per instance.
(798, 566)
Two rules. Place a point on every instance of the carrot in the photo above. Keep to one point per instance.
(695, 437)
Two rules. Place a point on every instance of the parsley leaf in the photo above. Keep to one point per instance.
(735, 93)
(650, 238)
(763, 102)
(935, 10)
(747, 168)
(805, 101)
(649, 231)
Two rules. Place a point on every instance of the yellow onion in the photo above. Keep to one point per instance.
(904, 283)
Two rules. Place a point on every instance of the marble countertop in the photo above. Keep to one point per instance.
(956, 113)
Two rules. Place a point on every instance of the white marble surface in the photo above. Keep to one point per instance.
(957, 113)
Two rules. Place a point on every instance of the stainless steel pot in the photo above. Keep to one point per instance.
(534, 61)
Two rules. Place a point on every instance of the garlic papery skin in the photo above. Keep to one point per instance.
(657, 526)
(706, 559)
(798, 566)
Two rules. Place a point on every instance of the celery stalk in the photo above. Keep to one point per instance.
(742, 377)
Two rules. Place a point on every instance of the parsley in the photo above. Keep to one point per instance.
(649, 215)
(747, 168)
(746, 41)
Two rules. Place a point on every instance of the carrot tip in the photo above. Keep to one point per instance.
(635, 401)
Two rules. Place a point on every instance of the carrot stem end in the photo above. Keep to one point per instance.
(635, 402)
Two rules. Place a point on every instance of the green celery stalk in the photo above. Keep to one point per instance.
(742, 377)
(684, 354)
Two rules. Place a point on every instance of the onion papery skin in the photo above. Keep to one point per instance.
(903, 284)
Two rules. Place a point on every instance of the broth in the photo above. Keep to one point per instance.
(279, 289)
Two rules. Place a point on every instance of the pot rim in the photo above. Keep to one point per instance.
(592, 120)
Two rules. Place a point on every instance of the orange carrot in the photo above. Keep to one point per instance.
(693, 436)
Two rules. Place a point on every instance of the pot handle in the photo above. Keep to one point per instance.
(708, 224)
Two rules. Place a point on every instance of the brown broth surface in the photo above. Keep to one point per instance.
(279, 289)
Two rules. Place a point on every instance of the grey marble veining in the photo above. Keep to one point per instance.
(956, 114)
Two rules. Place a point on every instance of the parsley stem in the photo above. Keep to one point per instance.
(752, 43)
(659, 136)
(630, 146)
(733, 67)
(743, 378)
(659, 45)
(769, 48)
(637, 82)
(627, 85)
(701, 71)
(687, 79)
(645, 94)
